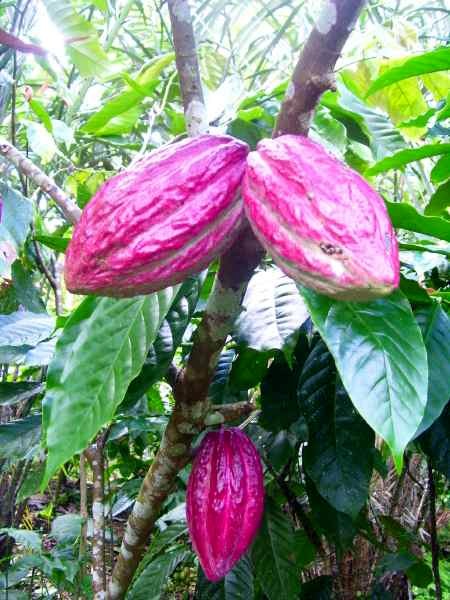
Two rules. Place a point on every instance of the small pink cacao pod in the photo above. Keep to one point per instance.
(225, 500)
(166, 217)
(320, 221)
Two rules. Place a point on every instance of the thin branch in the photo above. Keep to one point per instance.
(25, 166)
(229, 412)
(433, 533)
(49, 276)
(188, 67)
(313, 73)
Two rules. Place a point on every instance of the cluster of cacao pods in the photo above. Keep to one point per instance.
(181, 206)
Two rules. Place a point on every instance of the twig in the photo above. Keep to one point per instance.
(229, 412)
(187, 67)
(49, 276)
(433, 533)
(25, 166)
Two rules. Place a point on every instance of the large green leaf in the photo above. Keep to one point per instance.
(429, 62)
(236, 585)
(381, 358)
(435, 442)
(441, 170)
(20, 332)
(16, 217)
(439, 203)
(272, 313)
(18, 439)
(279, 397)
(127, 100)
(26, 294)
(405, 216)
(168, 339)
(28, 539)
(101, 350)
(84, 49)
(273, 555)
(14, 392)
(339, 454)
(409, 155)
(435, 326)
(151, 582)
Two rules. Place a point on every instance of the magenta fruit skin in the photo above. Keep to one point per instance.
(321, 222)
(225, 500)
(166, 217)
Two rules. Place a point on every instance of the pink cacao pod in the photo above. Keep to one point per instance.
(225, 500)
(166, 217)
(320, 221)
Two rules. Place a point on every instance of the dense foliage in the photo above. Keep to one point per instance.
(351, 400)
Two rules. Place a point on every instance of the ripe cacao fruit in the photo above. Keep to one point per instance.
(225, 500)
(320, 221)
(166, 217)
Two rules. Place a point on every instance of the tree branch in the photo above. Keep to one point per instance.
(188, 67)
(24, 165)
(313, 73)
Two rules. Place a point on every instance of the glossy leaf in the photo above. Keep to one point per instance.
(20, 391)
(22, 331)
(429, 62)
(101, 350)
(151, 582)
(435, 326)
(404, 157)
(273, 556)
(381, 358)
(18, 439)
(236, 585)
(405, 216)
(272, 313)
(339, 453)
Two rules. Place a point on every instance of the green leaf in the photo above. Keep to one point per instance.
(429, 62)
(409, 155)
(329, 131)
(129, 99)
(84, 50)
(435, 442)
(167, 537)
(66, 528)
(101, 350)
(26, 294)
(39, 110)
(339, 454)
(16, 217)
(273, 555)
(441, 170)
(248, 369)
(28, 539)
(151, 582)
(41, 141)
(413, 291)
(13, 393)
(236, 585)
(381, 358)
(21, 331)
(18, 439)
(439, 203)
(319, 588)
(168, 339)
(272, 314)
(405, 216)
(219, 390)
(279, 397)
(435, 326)
(54, 242)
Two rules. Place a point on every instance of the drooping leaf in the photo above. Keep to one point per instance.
(101, 350)
(428, 62)
(236, 585)
(18, 439)
(435, 326)
(151, 582)
(439, 203)
(273, 555)
(339, 454)
(405, 216)
(279, 407)
(14, 392)
(167, 340)
(381, 358)
(272, 313)
(409, 155)
(435, 442)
